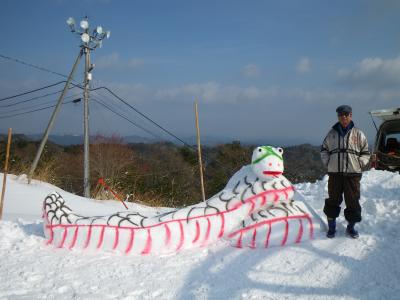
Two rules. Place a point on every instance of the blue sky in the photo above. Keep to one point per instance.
(270, 71)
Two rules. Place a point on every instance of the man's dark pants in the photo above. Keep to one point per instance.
(349, 185)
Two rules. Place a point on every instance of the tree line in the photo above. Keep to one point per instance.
(158, 174)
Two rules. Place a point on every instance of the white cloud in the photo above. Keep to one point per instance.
(113, 60)
(373, 72)
(209, 92)
(251, 70)
(304, 65)
(217, 93)
(213, 92)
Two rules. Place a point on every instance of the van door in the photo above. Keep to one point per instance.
(386, 154)
(386, 114)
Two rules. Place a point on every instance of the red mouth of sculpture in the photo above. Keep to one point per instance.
(272, 173)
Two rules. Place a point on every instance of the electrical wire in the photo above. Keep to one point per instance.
(107, 89)
(37, 105)
(144, 116)
(126, 118)
(32, 65)
(109, 104)
(159, 126)
(31, 91)
(111, 101)
(35, 98)
(31, 111)
(193, 148)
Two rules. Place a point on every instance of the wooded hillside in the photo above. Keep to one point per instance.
(159, 174)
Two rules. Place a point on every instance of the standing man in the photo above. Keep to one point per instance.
(345, 153)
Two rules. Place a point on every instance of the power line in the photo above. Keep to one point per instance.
(143, 115)
(95, 90)
(39, 68)
(53, 93)
(31, 91)
(34, 98)
(111, 101)
(126, 118)
(113, 107)
(32, 65)
(35, 110)
(159, 126)
(37, 105)
(101, 103)
(111, 92)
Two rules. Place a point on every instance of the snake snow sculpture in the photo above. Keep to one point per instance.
(255, 209)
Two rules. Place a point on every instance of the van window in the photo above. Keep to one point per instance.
(387, 142)
(389, 137)
(392, 143)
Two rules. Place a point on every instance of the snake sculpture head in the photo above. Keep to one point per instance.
(267, 162)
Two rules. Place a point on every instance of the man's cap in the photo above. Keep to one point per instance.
(344, 109)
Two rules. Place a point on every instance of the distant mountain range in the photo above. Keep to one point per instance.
(69, 139)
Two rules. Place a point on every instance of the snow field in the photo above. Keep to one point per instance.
(341, 268)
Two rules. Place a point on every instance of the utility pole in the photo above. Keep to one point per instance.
(90, 41)
(86, 149)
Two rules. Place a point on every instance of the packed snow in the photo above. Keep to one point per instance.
(366, 268)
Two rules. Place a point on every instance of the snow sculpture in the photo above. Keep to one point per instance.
(255, 209)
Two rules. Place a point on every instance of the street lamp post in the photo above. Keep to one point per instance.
(90, 41)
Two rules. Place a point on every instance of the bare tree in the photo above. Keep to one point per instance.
(110, 158)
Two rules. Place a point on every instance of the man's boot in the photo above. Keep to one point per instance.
(351, 231)
(331, 228)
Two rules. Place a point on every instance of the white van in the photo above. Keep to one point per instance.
(386, 152)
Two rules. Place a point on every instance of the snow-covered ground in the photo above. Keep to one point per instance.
(367, 268)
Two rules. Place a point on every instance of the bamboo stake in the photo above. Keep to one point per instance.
(103, 183)
(3, 191)
(199, 151)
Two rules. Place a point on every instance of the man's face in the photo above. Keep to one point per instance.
(344, 119)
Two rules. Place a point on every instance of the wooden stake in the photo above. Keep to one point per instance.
(199, 151)
(103, 183)
(3, 191)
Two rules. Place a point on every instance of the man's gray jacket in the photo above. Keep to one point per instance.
(348, 153)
